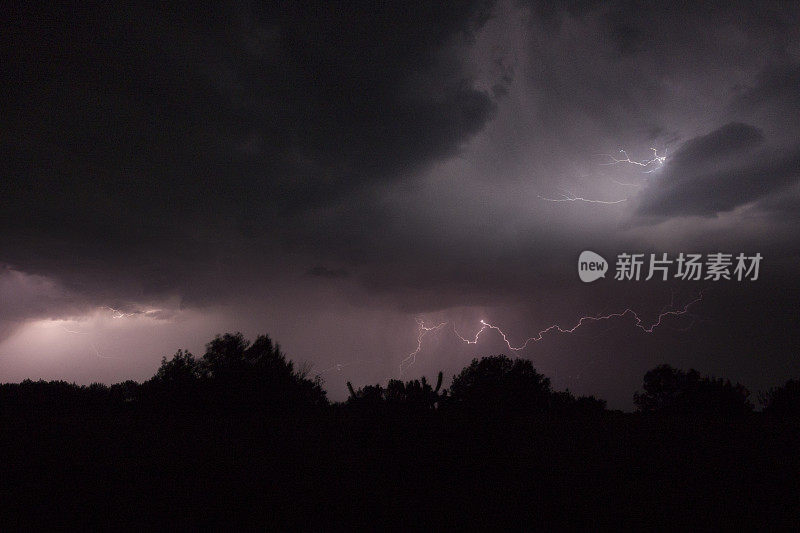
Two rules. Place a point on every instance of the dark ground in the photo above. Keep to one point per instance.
(333, 469)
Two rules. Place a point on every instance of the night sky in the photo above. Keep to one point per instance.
(326, 173)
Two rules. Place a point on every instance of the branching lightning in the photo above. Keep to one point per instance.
(657, 160)
(411, 358)
(117, 313)
(650, 165)
(91, 343)
(638, 322)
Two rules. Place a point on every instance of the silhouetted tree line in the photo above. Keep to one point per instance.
(234, 371)
(784, 400)
(241, 438)
(492, 385)
(669, 390)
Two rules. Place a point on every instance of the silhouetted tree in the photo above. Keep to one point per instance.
(413, 395)
(97, 394)
(369, 395)
(670, 390)
(57, 394)
(784, 400)
(183, 368)
(566, 403)
(127, 391)
(176, 380)
(235, 371)
(500, 383)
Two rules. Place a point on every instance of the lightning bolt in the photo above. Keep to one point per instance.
(74, 331)
(340, 366)
(91, 343)
(411, 358)
(651, 165)
(116, 313)
(626, 184)
(657, 160)
(567, 197)
(100, 355)
(629, 312)
(639, 323)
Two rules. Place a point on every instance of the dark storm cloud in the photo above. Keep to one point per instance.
(776, 85)
(151, 150)
(143, 143)
(719, 171)
(781, 207)
(330, 273)
(707, 150)
(591, 78)
(23, 296)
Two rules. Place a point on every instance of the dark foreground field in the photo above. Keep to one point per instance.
(239, 439)
(331, 471)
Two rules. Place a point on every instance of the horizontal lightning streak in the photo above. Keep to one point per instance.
(570, 198)
(74, 331)
(583, 320)
(117, 313)
(91, 343)
(656, 160)
(639, 323)
(626, 184)
(340, 366)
